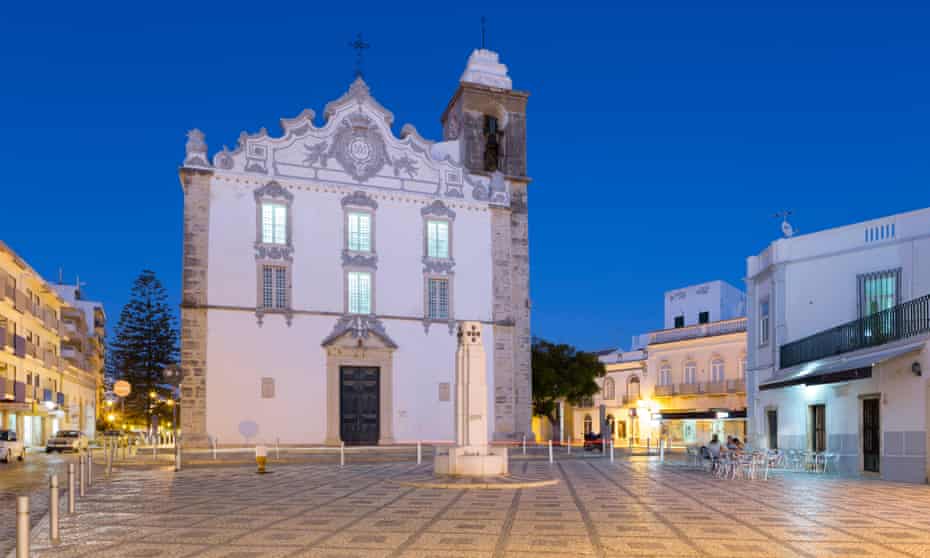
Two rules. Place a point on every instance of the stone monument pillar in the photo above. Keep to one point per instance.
(471, 455)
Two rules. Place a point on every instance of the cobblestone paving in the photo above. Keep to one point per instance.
(597, 509)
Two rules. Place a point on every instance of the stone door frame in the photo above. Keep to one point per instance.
(369, 352)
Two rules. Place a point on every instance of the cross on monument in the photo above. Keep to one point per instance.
(359, 45)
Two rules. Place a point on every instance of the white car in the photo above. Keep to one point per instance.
(11, 447)
(66, 440)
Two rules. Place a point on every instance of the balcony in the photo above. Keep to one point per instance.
(722, 327)
(716, 388)
(689, 389)
(905, 320)
(665, 391)
(19, 392)
(736, 386)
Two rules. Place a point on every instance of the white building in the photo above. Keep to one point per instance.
(325, 270)
(839, 321)
(683, 383)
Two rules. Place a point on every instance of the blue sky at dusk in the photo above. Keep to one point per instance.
(663, 136)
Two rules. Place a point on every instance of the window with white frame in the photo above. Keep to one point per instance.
(359, 285)
(274, 223)
(274, 287)
(764, 321)
(690, 373)
(437, 239)
(665, 375)
(438, 298)
(633, 388)
(716, 370)
(609, 389)
(359, 229)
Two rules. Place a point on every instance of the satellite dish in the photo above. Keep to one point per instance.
(787, 229)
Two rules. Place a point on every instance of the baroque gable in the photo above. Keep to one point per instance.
(354, 147)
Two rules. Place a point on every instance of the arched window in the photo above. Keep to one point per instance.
(633, 388)
(609, 390)
(588, 424)
(716, 370)
(690, 373)
(611, 424)
(665, 375)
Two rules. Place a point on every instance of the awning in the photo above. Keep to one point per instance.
(843, 368)
(710, 414)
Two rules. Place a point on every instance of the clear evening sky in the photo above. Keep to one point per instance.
(663, 136)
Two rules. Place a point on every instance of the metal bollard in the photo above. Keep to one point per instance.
(83, 474)
(154, 449)
(569, 445)
(524, 445)
(177, 453)
(22, 527)
(419, 452)
(661, 449)
(277, 449)
(70, 488)
(648, 446)
(90, 469)
(214, 448)
(611, 451)
(342, 454)
(550, 451)
(630, 439)
(53, 508)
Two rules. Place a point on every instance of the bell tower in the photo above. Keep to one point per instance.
(488, 119)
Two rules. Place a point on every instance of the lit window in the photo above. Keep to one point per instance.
(360, 232)
(437, 241)
(609, 389)
(359, 292)
(879, 292)
(588, 424)
(665, 375)
(274, 223)
(716, 370)
(690, 373)
(274, 287)
(764, 322)
(439, 299)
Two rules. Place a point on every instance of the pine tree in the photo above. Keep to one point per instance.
(146, 343)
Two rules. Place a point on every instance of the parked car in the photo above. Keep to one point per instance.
(66, 440)
(10, 446)
(593, 442)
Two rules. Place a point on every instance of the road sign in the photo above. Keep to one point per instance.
(122, 388)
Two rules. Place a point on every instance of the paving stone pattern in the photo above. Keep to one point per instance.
(628, 508)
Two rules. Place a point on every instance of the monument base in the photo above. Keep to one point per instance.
(469, 462)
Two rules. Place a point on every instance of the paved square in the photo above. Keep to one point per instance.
(629, 508)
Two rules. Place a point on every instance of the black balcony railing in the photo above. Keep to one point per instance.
(898, 322)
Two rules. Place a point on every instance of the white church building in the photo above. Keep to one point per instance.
(325, 270)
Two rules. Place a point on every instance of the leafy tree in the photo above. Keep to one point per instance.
(146, 343)
(560, 372)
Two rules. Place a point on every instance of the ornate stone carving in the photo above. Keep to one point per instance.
(359, 199)
(499, 194)
(359, 147)
(438, 209)
(273, 252)
(359, 326)
(273, 190)
(316, 153)
(195, 150)
(357, 94)
(358, 259)
(479, 191)
(223, 159)
(438, 266)
(405, 164)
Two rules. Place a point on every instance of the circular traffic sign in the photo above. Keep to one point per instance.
(122, 388)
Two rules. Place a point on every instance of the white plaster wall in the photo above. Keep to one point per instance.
(318, 238)
(240, 354)
(722, 300)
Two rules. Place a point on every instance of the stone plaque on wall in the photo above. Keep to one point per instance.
(444, 391)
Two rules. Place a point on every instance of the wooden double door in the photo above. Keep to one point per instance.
(359, 405)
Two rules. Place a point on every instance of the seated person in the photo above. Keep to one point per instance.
(714, 447)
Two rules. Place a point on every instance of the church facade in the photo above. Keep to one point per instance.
(325, 270)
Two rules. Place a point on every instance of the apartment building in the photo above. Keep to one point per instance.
(49, 373)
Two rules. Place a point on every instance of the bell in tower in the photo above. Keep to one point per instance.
(488, 117)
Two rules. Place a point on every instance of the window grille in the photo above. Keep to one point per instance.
(439, 299)
(359, 292)
(437, 239)
(274, 223)
(360, 232)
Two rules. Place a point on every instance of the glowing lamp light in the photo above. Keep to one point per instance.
(723, 414)
(49, 405)
(111, 417)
